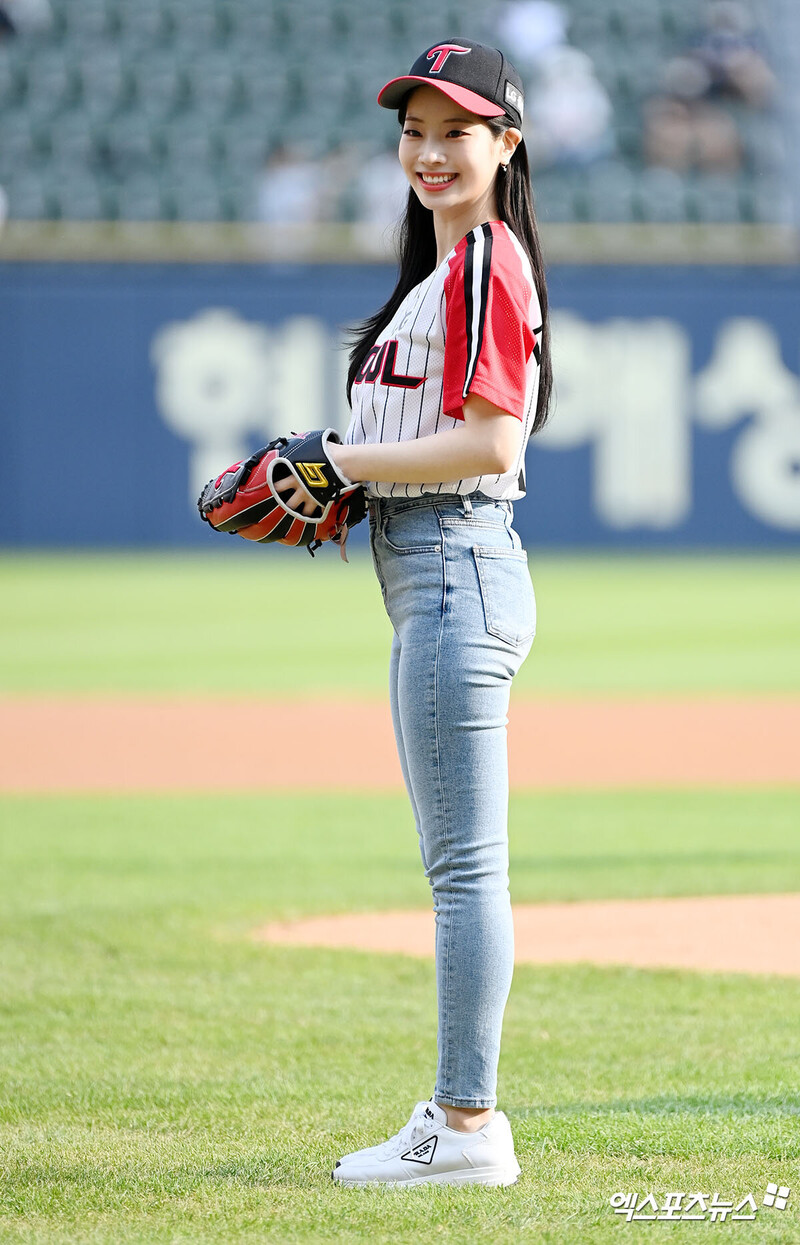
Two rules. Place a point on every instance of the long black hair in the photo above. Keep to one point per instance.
(416, 244)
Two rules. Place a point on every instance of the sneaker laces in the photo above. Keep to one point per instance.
(409, 1134)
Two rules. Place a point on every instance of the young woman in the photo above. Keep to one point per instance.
(447, 382)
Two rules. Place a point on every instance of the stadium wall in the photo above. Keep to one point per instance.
(676, 420)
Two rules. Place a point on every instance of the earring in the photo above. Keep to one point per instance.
(503, 168)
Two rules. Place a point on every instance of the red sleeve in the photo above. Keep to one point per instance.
(488, 338)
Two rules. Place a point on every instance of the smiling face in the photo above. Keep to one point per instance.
(450, 156)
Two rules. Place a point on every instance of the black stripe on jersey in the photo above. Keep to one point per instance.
(468, 261)
(474, 348)
(537, 350)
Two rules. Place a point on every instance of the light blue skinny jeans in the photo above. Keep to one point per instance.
(458, 592)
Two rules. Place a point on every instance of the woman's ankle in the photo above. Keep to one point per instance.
(466, 1119)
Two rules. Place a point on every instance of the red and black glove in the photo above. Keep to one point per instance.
(245, 500)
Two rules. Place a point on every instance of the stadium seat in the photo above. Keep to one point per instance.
(198, 199)
(251, 30)
(106, 84)
(610, 192)
(72, 140)
(121, 80)
(245, 145)
(82, 199)
(144, 25)
(190, 144)
(213, 85)
(773, 202)
(628, 135)
(661, 196)
(640, 24)
(52, 83)
(557, 198)
(23, 141)
(141, 198)
(88, 19)
(636, 76)
(236, 194)
(130, 144)
(28, 198)
(196, 25)
(713, 197)
(263, 104)
(764, 141)
(12, 79)
(159, 85)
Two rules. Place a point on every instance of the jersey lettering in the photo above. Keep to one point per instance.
(390, 377)
(380, 361)
(370, 368)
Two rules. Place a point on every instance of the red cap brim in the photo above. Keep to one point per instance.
(391, 95)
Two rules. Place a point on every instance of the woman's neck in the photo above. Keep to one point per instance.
(450, 229)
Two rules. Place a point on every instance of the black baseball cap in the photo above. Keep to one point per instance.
(479, 78)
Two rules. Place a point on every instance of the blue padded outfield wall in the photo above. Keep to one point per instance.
(676, 423)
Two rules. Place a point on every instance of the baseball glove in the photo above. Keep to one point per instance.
(245, 500)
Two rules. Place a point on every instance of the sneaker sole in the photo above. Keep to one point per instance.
(479, 1175)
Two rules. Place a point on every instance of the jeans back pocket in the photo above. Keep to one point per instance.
(509, 604)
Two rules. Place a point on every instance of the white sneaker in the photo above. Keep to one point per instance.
(428, 1151)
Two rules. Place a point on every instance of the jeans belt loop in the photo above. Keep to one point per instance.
(467, 504)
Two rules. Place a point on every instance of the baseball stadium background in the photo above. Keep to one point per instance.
(216, 963)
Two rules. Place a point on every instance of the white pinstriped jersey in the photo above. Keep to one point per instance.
(472, 326)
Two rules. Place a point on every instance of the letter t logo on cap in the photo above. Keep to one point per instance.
(441, 53)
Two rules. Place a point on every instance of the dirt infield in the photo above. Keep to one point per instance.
(126, 745)
(719, 933)
(130, 745)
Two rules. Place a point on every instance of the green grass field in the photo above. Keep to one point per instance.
(244, 624)
(164, 1079)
